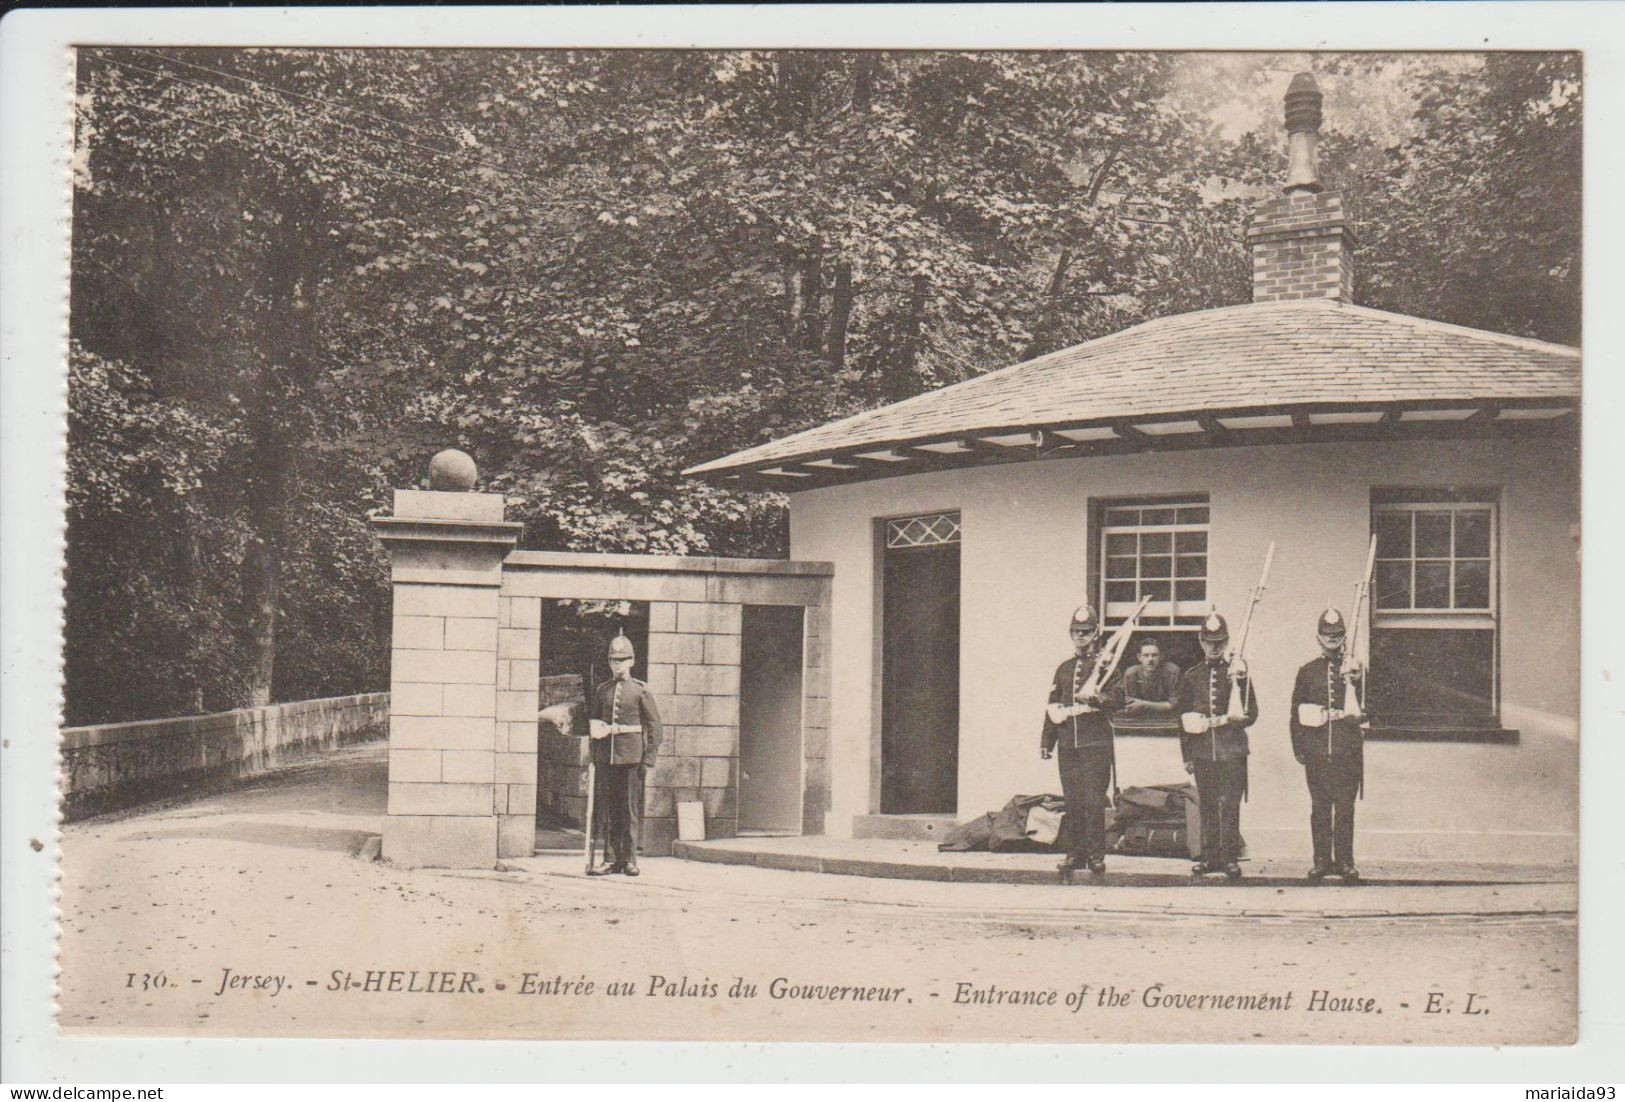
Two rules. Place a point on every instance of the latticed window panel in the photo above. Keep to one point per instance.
(1157, 551)
(933, 530)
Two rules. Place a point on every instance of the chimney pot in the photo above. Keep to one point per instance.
(1302, 134)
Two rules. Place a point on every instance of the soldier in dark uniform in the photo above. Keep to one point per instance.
(1328, 742)
(1083, 740)
(626, 737)
(1214, 744)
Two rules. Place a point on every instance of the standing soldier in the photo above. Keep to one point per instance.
(1214, 744)
(625, 713)
(1084, 740)
(1329, 744)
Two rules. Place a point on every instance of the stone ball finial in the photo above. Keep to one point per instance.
(1303, 101)
(453, 471)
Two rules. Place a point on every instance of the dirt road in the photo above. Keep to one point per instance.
(248, 913)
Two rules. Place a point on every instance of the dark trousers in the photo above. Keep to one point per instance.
(1334, 782)
(1085, 773)
(1219, 785)
(619, 809)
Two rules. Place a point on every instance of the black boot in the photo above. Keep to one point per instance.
(1318, 873)
(1232, 871)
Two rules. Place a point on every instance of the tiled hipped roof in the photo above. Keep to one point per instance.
(1155, 381)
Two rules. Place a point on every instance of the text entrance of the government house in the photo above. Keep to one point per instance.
(919, 695)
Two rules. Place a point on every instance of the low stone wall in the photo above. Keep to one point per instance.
(561, 780)
(119, 765)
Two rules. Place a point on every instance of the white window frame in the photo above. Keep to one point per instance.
(1170, 608)
(1469, 619)
(1488, 618)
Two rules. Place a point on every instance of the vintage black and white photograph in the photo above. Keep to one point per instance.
(822, 545)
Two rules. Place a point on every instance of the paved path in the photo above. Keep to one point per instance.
(262, 881)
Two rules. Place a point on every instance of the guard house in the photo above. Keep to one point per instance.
(964, 524)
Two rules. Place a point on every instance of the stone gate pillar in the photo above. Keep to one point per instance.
(446, 547)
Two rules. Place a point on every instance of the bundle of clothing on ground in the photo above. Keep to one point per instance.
(1159, 820)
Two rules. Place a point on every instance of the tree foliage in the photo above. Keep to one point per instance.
(298, 273)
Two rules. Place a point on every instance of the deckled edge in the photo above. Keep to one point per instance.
(64, 163)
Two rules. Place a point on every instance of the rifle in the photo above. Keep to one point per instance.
(1105, 665)
(1362, 595)
(1253, 597)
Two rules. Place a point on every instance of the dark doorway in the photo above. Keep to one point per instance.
(770, 719)
(919, 701)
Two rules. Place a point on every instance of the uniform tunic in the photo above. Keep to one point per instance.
(621, 759)
(1083, 748)
(1333, 757)
(1219, 755)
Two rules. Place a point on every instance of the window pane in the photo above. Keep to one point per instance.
(1120, 543)
(1426, 675)
(1120, 568)
(1432, 537)
(1393, 585)
(1473, 583)
(1195, 514)
(1190, 591)
(1156, 543)
(1191, 566)
(1190, 541)
(1156, 516)
(1473, 534)
(1122, 516)
(1157, 591)
(1119, 591)
(1154, 621)
(1156, 566)
(1393, 535)
(1432, 584)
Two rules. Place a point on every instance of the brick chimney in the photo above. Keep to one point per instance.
(1302, 245)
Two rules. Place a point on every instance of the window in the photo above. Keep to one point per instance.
(1159, 550)
(933, 530)
(1156, 548)
(1434, 623)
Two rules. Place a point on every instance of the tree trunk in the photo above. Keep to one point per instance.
(792, 297)
(840, 315)
(1045, 322)
(904, 379)
(285, 390)
(863, 80)
(812, 302)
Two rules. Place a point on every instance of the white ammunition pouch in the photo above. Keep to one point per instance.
(1312, 715)
(598, 728)
(1194, 723)
(1060, 713)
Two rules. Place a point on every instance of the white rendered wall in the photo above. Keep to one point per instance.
(1023, 568)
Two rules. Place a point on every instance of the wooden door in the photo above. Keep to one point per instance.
(919, 742)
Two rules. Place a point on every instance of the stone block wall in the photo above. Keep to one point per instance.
(519, 638)
(117, 765)
(454, 648)
(694, 672)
